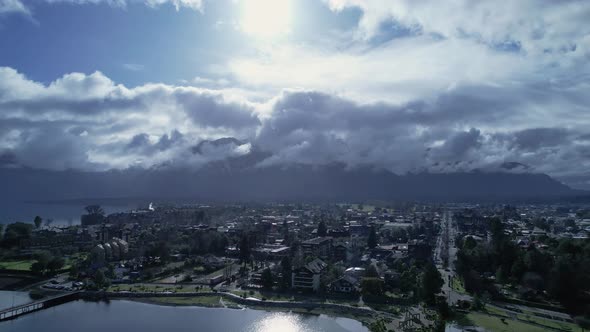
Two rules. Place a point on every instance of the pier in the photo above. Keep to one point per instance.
(16, 311)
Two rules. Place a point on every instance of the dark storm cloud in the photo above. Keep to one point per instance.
(212, 111)
(100, 125)
(429, 135)
(536, 138)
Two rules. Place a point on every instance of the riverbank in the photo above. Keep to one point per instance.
(364, 315)
(220, 302)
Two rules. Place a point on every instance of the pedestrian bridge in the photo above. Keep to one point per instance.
(20, 310)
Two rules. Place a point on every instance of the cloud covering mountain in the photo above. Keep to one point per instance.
(406, 87)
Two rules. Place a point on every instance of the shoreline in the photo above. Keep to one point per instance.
(205, 301)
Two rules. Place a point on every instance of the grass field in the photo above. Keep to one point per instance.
(496, 324)
(551, 323)
(23, 265)
(457, 285)
(203, 301)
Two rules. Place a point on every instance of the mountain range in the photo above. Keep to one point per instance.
(241, 179)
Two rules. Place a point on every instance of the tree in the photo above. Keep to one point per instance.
(94, 216)
(42, 262)
(55, 264)
(266, 278)
(16, 232)
(469, 243)
(431, 284)
(443, 307)
(372, 240)
(244, 249)
(286, 271)
(378, 326)
(74, 271)
(38, 221)
(371, 272)
(37, 268)
(94, 210)
(99, 278)
(322, 229)
(372, 286)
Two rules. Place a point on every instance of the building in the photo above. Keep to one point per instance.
(318, 247)
(346, 284)
(308, 277)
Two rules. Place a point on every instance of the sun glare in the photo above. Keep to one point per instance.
(266, 19)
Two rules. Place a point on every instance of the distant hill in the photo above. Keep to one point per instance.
(224, 181)
(242, 178)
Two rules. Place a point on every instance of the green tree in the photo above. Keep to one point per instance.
(55, 264)
(431, 284)
(74, 271)
(244, 249)
(322, 228)
(469, 243)
(41, 264)
(372, 286)
(38, 221)
(266, 278)
(286, 268)
(15, 233)
(94, 210)
(371, 272)
(99, 279)
(372, 239)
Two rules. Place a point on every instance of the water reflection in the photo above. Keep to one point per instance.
(279, 322)
(125, 316)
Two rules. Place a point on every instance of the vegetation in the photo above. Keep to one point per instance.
(431, 284)
(560, 271)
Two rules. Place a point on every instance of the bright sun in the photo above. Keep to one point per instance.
(266, 19)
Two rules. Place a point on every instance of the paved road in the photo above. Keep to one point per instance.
(446, 251)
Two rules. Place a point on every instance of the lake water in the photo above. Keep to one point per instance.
(128, 316)
(62, 213)
(9, 299)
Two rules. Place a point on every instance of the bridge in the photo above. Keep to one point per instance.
(16, 311)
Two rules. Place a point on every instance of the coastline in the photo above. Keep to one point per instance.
(228, 301)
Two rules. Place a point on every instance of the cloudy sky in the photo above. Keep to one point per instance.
(404, 85)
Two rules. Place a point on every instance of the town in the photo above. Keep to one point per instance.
(395, 267)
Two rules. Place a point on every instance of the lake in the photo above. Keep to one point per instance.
(121, 315)
(62, 213)
(10, 299)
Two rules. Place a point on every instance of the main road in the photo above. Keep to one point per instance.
(445, 254)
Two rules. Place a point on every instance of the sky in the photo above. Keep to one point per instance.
(404, 85)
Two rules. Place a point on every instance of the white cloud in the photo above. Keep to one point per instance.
(87, 121)
(17, 6)
(537, 25)
(13, 6)
(133, 66)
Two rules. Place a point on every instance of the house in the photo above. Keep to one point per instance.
(318, 247)
(308, 277)
(341, 252)
(346, 284)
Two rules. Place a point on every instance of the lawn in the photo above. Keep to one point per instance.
(496, 311)
(204, 301)
(23, 265)
(457, 285)
(551, 323)
(263, 295)
(496, 324)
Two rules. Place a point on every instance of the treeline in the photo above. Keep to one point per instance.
(560, 271)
